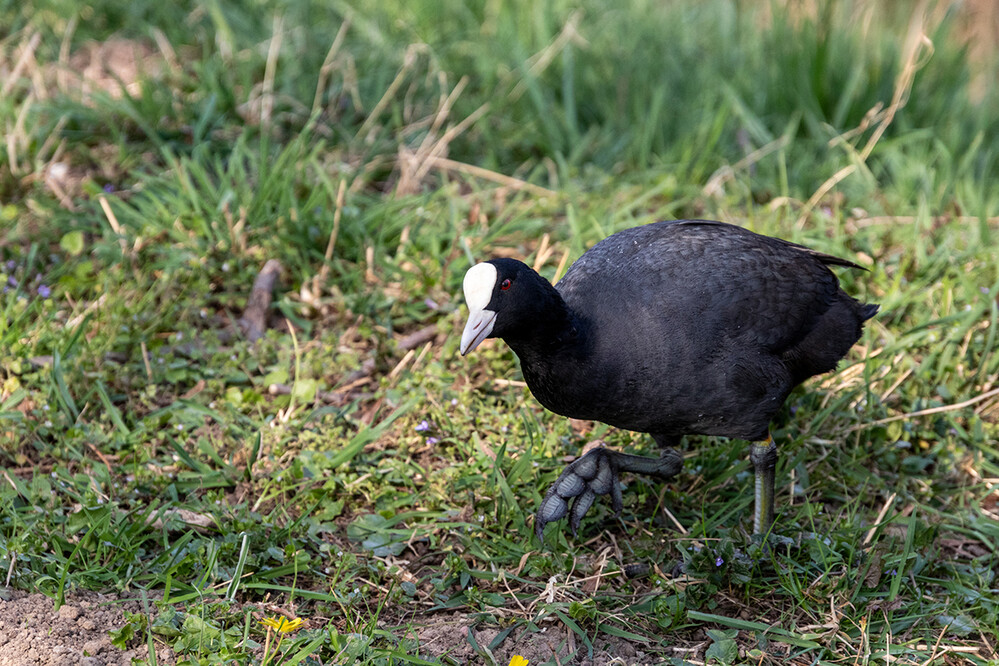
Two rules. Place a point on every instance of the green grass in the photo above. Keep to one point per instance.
(142, 450)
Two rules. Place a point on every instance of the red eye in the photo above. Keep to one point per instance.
(505, 284)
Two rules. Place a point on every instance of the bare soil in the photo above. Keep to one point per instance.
(448, 636)
(33, 633)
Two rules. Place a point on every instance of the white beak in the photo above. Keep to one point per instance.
(479, 326)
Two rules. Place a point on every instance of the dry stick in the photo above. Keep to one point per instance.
(879, 519)
(113, 221)
(145, 360)
(936, 646)
(486, 174)
(254, 319)
(10, 569)
(726, 173)
(270, 69)
(427, 161)
(927, 412)
(167, 51)
(417, 338)
(327, 65)
(561, 265)
(26, 55)
(401, 365)
(548, 54)
(911, 219)
(677, 523)
(442, 114)
(17, 135)
(408, 60)
(337, 212)
(337, 397)
(900, 97)
(451, 134)
(429, 146)
(67, 40)
(898, 382)
(542, 255)
(41, 157)
(437, 148)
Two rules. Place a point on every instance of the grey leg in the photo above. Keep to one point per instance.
(764, 458)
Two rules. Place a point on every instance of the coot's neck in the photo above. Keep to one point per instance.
(549, 327)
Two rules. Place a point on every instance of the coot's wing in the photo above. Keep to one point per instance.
(708, 280)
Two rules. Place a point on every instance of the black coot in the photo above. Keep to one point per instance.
(674, 328)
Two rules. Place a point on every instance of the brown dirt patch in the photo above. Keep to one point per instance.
(448, 636)
(33, 633)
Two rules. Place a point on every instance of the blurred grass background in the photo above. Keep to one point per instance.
(349, 467)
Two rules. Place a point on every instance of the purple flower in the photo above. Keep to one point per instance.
(44, 291)
(11, 264)
(430, 303)
(422, 426)
(109, 188)
(719, 561)
(432, 440)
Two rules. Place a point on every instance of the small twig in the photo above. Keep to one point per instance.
(879, 519)
(401, 365)
(104, 458)
(917, 40)
(337, 398)
(936, 646)
(254, 319)
(145, 360)
(486, 174)
(270, 70)
(64, 46)
(10, 569)
(543, 58)
(543, 253)
(726, 173)
(441, 145)
(669, 514)
(285, 415)
(561, 266)
(926, 412)
(408, 61)
(327, 65)
(514, 596)
(113, 222)
(337, 212)
(27, 53)
(417, 338)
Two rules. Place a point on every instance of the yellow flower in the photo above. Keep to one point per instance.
(283, 624)
(517, 660)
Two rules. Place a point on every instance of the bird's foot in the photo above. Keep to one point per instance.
(596, 473)
(770, 545)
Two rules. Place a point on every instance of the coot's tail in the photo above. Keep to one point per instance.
(868, 310)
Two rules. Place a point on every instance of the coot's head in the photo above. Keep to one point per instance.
(505, 298)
